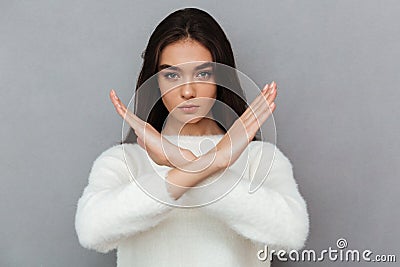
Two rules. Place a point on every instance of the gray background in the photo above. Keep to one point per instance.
(336, 64)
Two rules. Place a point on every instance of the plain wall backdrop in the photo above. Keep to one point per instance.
(337, 68)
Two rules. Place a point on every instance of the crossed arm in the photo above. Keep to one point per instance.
(195, 170)
(276, 214)
(187, 169)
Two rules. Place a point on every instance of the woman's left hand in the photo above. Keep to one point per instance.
(161, 151)
(243, 130)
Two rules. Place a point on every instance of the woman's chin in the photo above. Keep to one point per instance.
(193, 120)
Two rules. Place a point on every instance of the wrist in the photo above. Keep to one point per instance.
(180, 157)
(188, 155)
(219, 162)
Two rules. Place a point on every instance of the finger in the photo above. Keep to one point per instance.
(114, 98)
(129, 115)
(272, 95)
(266, 92)
(134, 121)
(260, 100)
(272, 91)
(263, 104)
(257, 117)
(267, 88)
(116, 101)
(119, 107)
(123, 111)
(255, 102)
(260, 112)
(265, 115)
(253, 125)
(266, 104)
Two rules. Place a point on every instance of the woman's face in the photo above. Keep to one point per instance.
(191, 83)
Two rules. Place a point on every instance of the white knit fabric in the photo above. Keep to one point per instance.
(115, 213)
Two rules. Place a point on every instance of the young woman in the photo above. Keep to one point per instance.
(149, 227)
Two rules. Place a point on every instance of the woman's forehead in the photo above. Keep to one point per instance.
(183, 52)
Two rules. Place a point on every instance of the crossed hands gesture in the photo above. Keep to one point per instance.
(243, 130)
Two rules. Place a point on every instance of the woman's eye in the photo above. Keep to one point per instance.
(171, 75)
(205, 74)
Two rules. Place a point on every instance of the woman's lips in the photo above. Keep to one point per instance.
(189, 109)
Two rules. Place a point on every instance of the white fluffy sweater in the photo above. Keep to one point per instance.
(114, 212)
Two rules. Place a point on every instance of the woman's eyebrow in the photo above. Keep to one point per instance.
(201, 66)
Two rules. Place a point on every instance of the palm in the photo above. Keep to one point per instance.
(147, 136)
(246, 126)
(158, 148)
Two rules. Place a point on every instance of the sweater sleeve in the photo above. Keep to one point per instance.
(275, 214)
(112, 205)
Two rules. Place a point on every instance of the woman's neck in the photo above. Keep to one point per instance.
(205, 126)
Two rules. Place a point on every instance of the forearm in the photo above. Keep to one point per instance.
(182, 179)
(181, 157)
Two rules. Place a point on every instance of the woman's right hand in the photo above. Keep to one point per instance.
(161, 151)
(243, 130)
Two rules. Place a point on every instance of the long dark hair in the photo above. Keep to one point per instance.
(198, 25)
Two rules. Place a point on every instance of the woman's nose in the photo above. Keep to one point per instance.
(188, 90)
